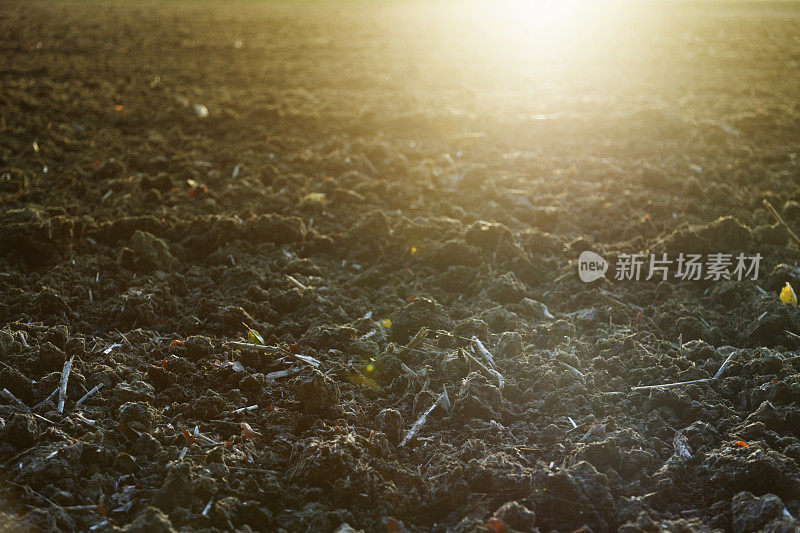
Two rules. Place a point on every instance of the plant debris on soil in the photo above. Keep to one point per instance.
(294, 267)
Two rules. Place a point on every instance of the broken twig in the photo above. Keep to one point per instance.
(207, 507)
(488, 372)
(307, 359)
(476, 343)
(599, 429)
(443, 400)
(281, 373)
(85, 396)
(7, 393)
(83, 420)
(293, 281)
(724, 365)
(257, 347)
(62, 388)
(574, 371)
(415, 341)
(243, 409)
(668, 385)
(50, 396)
(491, 366)
(23, 340)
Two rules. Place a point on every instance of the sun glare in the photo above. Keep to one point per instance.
(551, 13)
(523, 29)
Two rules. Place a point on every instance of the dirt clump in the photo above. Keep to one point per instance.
(421, 313)
(752, 513)
(316, 392)
(147, 252)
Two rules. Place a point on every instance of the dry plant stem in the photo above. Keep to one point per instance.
(7, 393)
(23, 340)
(62, 388)
(416, 340)
(257, 347)
(492, 366)
(29, 489)
(257, 470)
(243, 409)
(43, 419)
(281, 373)
(49, 396)
(83, 420)
(408, 370)
(85, 396)
(562, 277)
(476, 342)
(783, 223)
(370, 164)
(307, 359)
(274, 349)
(667, 385)
(81, 507)
(488, 372)
(597, 428)
(421, 420)
(574, 371)
(202, 439)
(208, 507)
(293, 281)
(724, 365)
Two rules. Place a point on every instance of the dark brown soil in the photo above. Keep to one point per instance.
(364, 172)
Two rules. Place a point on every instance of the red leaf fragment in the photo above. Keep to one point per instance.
(495, 525)
(189, 437)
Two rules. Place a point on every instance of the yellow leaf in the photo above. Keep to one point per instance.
(388, 323)
(788, 296)
(253, 336)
